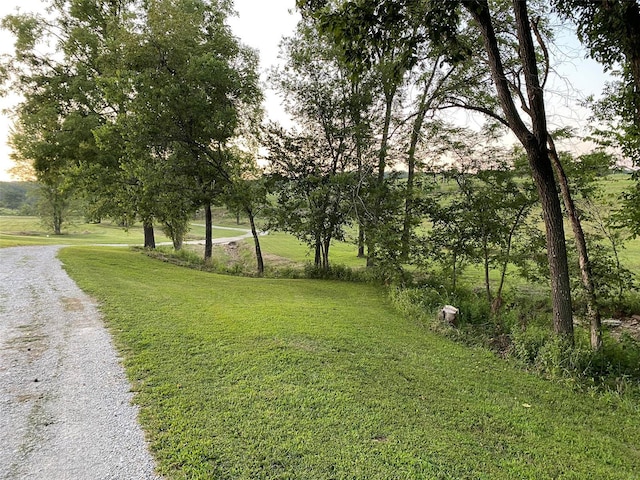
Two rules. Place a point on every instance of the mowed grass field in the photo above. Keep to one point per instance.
(243, 378)
(24, 231)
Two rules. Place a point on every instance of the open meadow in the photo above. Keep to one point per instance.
(243, 378)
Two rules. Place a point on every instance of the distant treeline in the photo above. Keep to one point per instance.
(18, 198)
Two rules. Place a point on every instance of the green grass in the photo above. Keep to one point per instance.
(242, 378)
(24, 231)
(285, 245)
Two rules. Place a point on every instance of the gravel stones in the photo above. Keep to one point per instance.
(65, 402)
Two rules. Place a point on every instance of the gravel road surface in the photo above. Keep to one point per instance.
(65, 403)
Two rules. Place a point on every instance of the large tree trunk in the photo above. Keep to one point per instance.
(208, 234)
(593, 312)
(149, 235)
(535, 144)
(556, 245)
(57, 220)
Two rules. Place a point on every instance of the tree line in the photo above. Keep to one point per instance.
(152, 110)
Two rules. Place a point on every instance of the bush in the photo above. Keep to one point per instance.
(528, 342)
(334, 272)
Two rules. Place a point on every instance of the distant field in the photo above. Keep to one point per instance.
(16, 231)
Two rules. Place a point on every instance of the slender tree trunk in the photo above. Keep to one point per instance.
(497, 302)
(256, 241)
(149, 235)
(411, 166)
(454, 273)
(423, 106)
(384, 142)
(318, 253)
(373, 223)
(485, 254)
(593, 312)
(208, 233)
(326, 244)
(359, 141)
(360, 240)
(326, 251)
(58, 206)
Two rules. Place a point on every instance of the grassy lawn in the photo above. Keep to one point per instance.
(24, 231)
(285, 245)
(242, 378)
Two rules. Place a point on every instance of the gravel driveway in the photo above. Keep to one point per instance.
(65, 410)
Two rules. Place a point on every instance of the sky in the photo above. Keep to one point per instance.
(262, 23)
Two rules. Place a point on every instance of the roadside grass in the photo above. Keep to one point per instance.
(243, 378)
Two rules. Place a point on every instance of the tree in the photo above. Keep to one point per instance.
(164, 85)
(478, 221)
(58, 67)
(192, 82)
(610, 30)
(52, 137)
(313, 192)
(533, 138)
(317, 181)
(247, 193)
(381, 37)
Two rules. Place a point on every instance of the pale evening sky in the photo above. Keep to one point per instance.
(261, 24)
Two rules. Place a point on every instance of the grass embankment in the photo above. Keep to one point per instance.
(263, 378)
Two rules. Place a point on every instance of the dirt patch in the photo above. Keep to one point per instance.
(276, 261)
(629, 325)
(30, 340)
(72, 304)
(231, 249)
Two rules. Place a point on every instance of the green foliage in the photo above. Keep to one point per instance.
(16, 197)
(316, 169)
(103, 112)
(481, 217)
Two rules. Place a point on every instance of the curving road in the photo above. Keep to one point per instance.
(65, 403)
